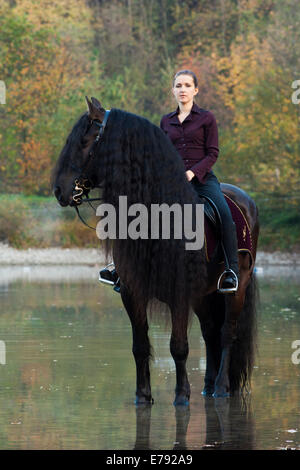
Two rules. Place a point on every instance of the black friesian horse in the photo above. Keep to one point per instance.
(126, 155)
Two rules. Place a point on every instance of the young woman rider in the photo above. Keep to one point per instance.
(194, 133)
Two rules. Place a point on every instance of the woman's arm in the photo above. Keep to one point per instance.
(212, 149)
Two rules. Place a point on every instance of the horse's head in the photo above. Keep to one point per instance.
(71, 178)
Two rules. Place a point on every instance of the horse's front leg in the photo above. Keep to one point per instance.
(179, 348)
(140, 346)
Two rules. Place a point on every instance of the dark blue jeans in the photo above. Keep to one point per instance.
(211, 188)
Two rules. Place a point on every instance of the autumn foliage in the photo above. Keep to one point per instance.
(125, 52)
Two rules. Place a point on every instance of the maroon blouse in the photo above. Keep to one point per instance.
(196, 139)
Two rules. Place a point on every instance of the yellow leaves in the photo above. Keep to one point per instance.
(61, 15)
(34, 166)
(243, 68)
(264, 124)
(42, 66)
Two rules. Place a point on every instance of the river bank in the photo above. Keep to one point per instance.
(93, 256)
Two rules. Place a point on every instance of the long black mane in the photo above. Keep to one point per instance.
(138, 160)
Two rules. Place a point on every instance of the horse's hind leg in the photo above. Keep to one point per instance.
(228, 335)
(179, 348)
(233, 307)
(211, 317)
(140, 346)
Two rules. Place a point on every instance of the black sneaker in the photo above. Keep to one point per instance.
(110, 277)
(107, 275)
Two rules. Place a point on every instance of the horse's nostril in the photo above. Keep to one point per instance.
(59, 196)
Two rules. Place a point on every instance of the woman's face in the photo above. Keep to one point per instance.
(184, 89)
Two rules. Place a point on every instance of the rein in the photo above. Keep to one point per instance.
(82, 184)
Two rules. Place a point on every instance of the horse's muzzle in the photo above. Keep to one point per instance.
(59, 196)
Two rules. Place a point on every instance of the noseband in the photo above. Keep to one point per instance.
(82, 184)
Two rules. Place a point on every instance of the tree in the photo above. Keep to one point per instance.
(43, 71)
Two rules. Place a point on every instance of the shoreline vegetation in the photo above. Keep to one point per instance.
(94, 256)
(38, 222)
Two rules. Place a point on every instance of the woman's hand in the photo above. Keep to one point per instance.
(190, 175)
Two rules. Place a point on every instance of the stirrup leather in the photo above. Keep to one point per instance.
(107, 281)
(227, 289)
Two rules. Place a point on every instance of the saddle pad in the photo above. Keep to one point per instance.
(243, 232)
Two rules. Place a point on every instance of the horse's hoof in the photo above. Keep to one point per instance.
(220, 394)
(181, 401)
(143, 401)
(207, 392)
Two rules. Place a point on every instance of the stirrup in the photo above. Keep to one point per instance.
(227, 290)
(106, 281)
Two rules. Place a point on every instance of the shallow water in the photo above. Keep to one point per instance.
(67, 374)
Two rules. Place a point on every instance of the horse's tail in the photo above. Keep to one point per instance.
(244, 347)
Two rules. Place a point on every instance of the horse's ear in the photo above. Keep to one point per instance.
(95, 109)
(97, 103)
(90, 106)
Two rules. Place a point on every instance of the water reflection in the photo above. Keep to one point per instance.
(143, 426)
(69, 377)
(229, 424)
(143, 420)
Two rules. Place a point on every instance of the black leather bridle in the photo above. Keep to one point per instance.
(82, 184)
